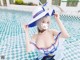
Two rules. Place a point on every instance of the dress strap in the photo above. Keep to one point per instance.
(32, 42)
(57, 35)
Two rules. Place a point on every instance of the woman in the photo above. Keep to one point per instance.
(46, 40)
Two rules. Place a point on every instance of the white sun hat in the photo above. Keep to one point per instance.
(40, 12)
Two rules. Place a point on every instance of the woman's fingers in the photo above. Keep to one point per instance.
(56, 15)
(25, 27)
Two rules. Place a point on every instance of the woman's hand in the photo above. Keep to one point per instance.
(26, 28)
(56, 16)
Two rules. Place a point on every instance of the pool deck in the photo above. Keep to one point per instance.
(66, 10)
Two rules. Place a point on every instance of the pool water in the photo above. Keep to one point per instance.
(12, 36)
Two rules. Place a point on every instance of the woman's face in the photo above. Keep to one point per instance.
(43, 23)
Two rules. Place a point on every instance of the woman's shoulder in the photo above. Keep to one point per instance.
(52, 31)
(34, 37)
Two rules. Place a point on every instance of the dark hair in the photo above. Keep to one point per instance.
(38, 29)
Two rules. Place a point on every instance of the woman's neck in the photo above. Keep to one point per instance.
(41, 31)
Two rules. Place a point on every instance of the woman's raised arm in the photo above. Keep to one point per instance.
(29, 46)
(64, 32)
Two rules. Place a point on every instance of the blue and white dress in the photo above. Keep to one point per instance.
(55, 49)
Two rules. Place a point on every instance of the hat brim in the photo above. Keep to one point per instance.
(32, 23)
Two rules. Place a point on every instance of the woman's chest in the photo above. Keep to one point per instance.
(45, 40)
